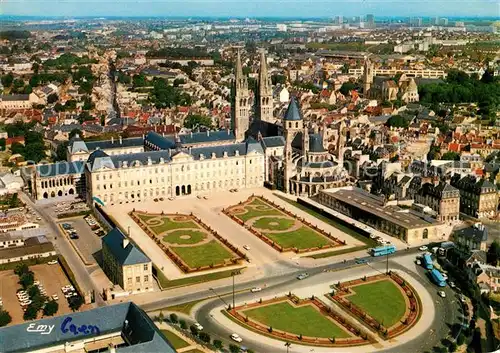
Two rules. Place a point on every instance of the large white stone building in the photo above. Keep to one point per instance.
(284, 152)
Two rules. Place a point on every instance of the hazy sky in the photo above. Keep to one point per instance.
(243, 8)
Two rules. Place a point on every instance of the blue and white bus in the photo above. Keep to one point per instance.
(383, 250)
(427, 261)
(438, 278)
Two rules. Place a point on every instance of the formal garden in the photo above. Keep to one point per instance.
(306, 321)
(191, 244)
(384, 303)
(280, 228)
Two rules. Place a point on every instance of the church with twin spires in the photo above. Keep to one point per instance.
(260, 149)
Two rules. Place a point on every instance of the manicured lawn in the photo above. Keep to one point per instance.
(169, 224)
(175, 236)
(194, 351)
(165, 283)
(304, 320)
(253, 213)
(302, 238)
(175, 340)
(381, 300)
(271, 223)
(203, 255)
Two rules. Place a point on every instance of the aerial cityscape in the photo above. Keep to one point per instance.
(232, 177)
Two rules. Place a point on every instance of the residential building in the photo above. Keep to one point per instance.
(478, 197)
(443, 198)
(472, 238)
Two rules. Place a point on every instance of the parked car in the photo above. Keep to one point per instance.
(74, 236)
(361, 261)
(423, 248)
(198, 326)
(235, 337)
(246, 247)
(303, 276)
(445, 276)
(255, 289)
(55, 297)
(452, 284)
(52, 262)
(442, 294)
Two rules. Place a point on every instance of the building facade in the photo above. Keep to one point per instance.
(125, 264)
(478, 197)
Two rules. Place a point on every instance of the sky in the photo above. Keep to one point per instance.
(249, 8)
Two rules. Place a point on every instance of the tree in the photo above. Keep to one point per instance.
(493, 254)
(218, 344)
(397, 121)
(161, 317)
(347, 87)
(21, 269)
(183, 324)
(195, 120)
(3, 144)
(30, 313)
(451, 156)
(5, 317)
(173, 318)
(26, 279)
(204, 337)
(75, 302)
(275, 79)
(50, 308)
(7, 79)
(194, 330)
(234, 348)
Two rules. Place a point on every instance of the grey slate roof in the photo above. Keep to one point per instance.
(108, 144)
(473, 233)
(14, 97)
(128, 255)
(76, 144)
(142, 333)
(272, 141)
(316, 143)
(160, 141)
(99, 159)
(293, 112)
(60, 168)
(208, 136)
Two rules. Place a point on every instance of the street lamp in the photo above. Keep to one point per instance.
(233, 274)
(287, 345)
(128, 231)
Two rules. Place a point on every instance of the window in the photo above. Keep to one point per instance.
(146, 278)
(146, 267)
(129, 280)
(138, 279)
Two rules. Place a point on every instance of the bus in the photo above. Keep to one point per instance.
(383, 250)
(427, 261)
(438, 278)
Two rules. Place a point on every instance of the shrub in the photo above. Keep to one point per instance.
(205, 337)
(173, 318)
(234, 348)
(194, 330)
(218, 344)
(75, 302)
(183, 324)
(50, 308)
(5, 317)
(270, 329)
(30, 313)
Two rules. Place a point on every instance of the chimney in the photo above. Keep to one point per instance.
(228, 132)
(191, 133)
(121, 141)
(208, 133)
(125, 242)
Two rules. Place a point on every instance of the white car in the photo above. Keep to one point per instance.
(442, 294)
(255, 289)
(53, 262)
(423, 248)
(246, 247)
(55, 297)
(235, 337)
(198, 326)
(445, 276)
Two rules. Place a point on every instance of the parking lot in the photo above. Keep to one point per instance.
(87, 242)
(51, 277)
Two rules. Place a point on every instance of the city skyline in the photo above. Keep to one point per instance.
(231, 8)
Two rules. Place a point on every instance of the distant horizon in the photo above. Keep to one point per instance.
(276, 9)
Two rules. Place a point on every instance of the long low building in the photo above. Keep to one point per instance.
(19, 249)
(408, 225)
(119, 328)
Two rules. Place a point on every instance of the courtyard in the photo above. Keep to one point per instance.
(191, 244)
(279, 227)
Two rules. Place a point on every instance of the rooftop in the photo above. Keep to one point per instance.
(123, 250)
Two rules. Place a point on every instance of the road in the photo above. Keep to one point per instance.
(63, 246)
(446, 311)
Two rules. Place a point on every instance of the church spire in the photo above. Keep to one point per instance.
(239, 68)
(264, 94)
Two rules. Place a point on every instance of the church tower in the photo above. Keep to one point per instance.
(240, 105)
(264, 94)
(367, 77)
(293, 123)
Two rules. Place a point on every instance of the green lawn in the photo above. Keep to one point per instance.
(304, 320)
(302, 238)
(266, 223)
(253, 213)
(165, 283)
(175, 236)
(194, 351)
(203, 255)
(381, 300)
(169, 224)
(175, 340)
